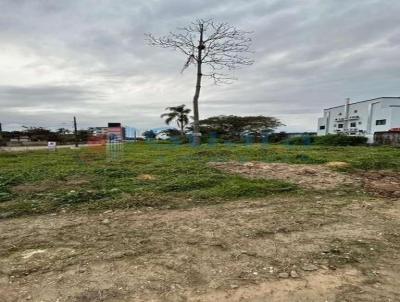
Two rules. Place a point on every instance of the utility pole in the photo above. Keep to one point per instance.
(75, 133)
(1, 133)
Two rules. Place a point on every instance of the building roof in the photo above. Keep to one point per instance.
(383, 97)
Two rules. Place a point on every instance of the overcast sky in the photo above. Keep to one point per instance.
(88, 58)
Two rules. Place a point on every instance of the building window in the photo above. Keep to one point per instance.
(380, 122)
(353, 125)
(340, 125)
(355, 111)
(321, 127)
(340, 113)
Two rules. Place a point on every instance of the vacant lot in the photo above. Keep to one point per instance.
(158, 222)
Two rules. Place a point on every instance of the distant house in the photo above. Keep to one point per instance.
(113, 132)
(98, 131)
(25, 140)
(20, 139)
(361, 118)
(162, 136)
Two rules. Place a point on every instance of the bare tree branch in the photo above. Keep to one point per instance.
(225, 47)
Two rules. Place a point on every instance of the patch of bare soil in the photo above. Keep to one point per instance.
(146, 177)
(307, 176)
(381, 183)
(29, 188)
(43, 186)
(312, 287)
(315, 248)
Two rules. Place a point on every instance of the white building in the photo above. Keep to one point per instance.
(361, 118)
(98, 131)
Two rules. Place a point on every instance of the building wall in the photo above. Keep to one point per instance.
(362, 117)
(395, 117)
(98, 131)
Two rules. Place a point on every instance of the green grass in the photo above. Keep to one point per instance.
(180, 175)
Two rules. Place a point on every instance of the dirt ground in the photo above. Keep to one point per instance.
(307, 176)
(311, 246)
(381, 183)
(320, 177)
(307, 248)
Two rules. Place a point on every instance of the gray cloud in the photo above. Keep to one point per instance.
(89, 58)
(47, 96)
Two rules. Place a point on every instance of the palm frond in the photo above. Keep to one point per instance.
(178, 113)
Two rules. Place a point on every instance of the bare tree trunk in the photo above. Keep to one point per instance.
(196, 125)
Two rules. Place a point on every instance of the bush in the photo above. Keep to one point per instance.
(2, 142)
(340, 140)
(277, 137)
(327, 140)
(4, 190)
(300, 140)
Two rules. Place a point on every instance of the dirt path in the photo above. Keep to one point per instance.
(314, 248)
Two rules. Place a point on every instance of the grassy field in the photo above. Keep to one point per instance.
(158, 222)
(157, 175)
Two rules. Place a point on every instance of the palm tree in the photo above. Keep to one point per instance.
(178, 113)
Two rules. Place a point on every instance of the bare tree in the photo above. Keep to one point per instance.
(220, 48)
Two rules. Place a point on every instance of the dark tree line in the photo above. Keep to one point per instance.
(38, 134)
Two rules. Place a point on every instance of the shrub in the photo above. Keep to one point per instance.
(277, 137)
(5, 193)
(340, 140)
(2, 142)
(301, 140)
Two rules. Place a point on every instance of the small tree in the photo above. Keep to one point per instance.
(180, 114)
(39, 134)
(149, 134)
(220, 47)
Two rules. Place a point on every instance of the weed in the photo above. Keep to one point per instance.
(74, 197)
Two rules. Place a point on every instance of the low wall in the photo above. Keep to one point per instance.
(17, 144)
(387, 138)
